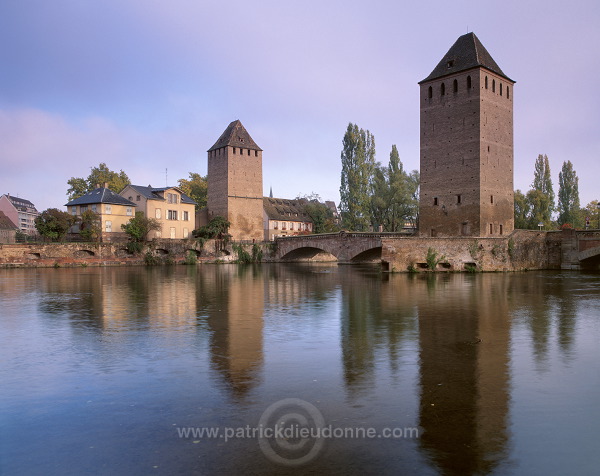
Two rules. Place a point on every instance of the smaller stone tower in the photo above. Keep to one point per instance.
(235, 188)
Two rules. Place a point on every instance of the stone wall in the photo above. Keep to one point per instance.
(519, 251)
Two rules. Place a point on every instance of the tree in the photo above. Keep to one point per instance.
(196, 187)
(78, 186)
(139, 226)
(320, 214)
(90, 226)
(592, 211)
(568, 196)
(358, 164)
(542, 206)
(54, 223)
(395, 195)
(522, 210)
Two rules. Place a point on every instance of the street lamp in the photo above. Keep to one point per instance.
(598, 207)
(541, 225)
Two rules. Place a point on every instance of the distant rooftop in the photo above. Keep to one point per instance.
(153, 193)
(466, 53)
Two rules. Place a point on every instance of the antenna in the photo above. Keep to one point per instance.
(166, 177)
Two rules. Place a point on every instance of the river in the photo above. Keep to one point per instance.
(298, 369)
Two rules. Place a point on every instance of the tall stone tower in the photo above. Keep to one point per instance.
(235, 188)
(466, 145)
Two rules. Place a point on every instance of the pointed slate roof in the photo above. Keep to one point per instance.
(235, 135)
(466, 53)
(101, 195)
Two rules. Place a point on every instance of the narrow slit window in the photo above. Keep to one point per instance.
(491, 229)
(435, 201)
(455, 86)
(486, 83)
(500, 89)
(469, 85)
(443, 89)
(493, 85)
(507, 93)
(430, 93)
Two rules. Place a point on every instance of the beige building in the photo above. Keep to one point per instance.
(283, 217)
(174, 210)
(466, 145)
(113, 211)
(21, 212)
(235, 188)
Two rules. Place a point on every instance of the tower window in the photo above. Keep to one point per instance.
(493, 85)
(443, 89)
(500, 89)
(507, 93)
(430, 92)
(435, 201)
(256, 153)
(459, 199)
(248, 151)
(450, 63)
(491, 228)
(234, 150)
(486, 83)
(491, 199)
(500, 229)
(455, 86)
(469, 82)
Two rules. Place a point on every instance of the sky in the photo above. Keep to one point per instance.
(148, 86)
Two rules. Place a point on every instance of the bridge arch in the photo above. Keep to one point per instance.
(309, 253)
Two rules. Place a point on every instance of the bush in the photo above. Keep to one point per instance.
(191, 258)
(150, 259)
(243, 256)
(134, 247)
(433, 259)
(257, 253)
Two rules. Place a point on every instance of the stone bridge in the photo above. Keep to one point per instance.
(580, 249)
(343, 247)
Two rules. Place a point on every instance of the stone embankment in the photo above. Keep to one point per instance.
(111, 254)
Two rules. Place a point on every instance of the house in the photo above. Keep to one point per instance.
(113, 211)
(175, 211)
(21, 212)
(283, 217)
(8, 230)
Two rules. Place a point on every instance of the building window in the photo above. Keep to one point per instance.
(256, 153)
(108, 226)
(430, 92)
(157, 213)
(493, 85)
(172, 215)
(469, 82)
(500, 229)
(283, 225)
(500, 89)
(172, 198)
(186, 216)
(491, 228)
(94, 208)
(435, 201)
(455, 86)
(443, 89)
(137, 198)
(83, 209)
(234, 150)
(291, 225)
(491, 199)
(507, 93)
(275, 225)
(129, 211)
(486, 83)
(108, 209)
(459, 199)
(130, 198)
(173, 234)
(186, 233)
(248, 151)
(450, 63)
(73, 210)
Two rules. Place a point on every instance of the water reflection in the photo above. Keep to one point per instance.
(220, 343)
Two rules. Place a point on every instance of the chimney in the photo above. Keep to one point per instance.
(105, 185)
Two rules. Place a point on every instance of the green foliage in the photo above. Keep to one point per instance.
(139, 226)
(433, 258)
(216, 228)
(537, 205)
(78, 186)
(497, 251)
(257, 253)
(511, 247)
(411, 268)
(469, 268)
(134, 247)
(320, 214)
(201, 242)
(358, 164)
(150, 259)
(196, 187)
(522, 211)
(191, 258)
(243, 256)
(54, 224)
(394, 195)
(591, 211)
(90, 226)
(56, 265)
(568, 196)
